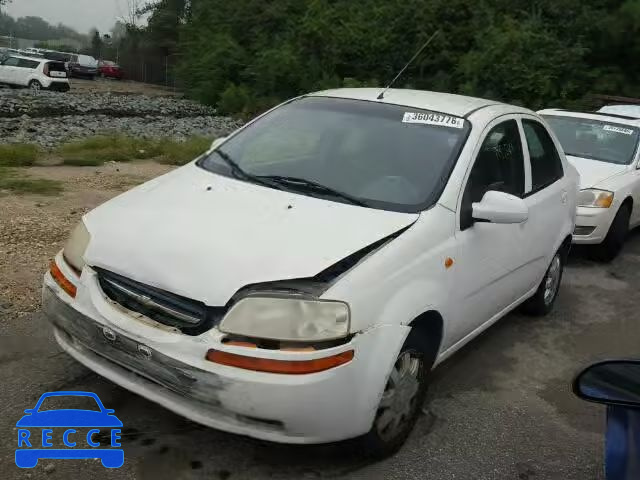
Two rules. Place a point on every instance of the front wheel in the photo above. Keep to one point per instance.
(35, 86)
(545, 297)
(402, 398)
(614, 241)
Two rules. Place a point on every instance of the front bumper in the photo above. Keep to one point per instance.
(170, 369)
(592, 224)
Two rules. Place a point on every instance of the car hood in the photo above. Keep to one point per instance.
(205, 236)
(69, 418)
(592, 172)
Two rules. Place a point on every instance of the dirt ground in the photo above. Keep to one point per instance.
(33, 228)
(103, 85)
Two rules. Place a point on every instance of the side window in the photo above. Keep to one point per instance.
(546, 166)
(24, 63)
(11, 62)
(499, 166)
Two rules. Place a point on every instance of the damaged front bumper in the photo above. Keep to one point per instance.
(592, 224)
(170, 368)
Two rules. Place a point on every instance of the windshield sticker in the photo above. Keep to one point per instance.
(611, 128)
(433, 119)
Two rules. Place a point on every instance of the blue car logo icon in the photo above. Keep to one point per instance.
(69, 433)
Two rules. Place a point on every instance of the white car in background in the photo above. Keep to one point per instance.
(624, 110)
(605, 150)
(298, 281)
(34, 73)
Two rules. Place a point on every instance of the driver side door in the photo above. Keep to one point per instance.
(492, 262)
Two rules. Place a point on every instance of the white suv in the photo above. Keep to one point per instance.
(298, 281)
(605, 148)
(35, 73)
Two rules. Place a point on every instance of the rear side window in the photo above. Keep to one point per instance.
(499, 167)
(24, 63)
(546, 166)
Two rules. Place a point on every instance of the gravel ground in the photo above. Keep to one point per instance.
(50, 118)
(33, 228)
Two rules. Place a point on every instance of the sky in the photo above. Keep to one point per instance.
(81, 15)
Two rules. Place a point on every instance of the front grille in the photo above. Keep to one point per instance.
(189, 316)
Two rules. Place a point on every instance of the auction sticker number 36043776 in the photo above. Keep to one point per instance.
(433, 119)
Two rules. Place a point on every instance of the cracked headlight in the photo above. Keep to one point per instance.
(593, 197)
(75, 247)
(287, 319)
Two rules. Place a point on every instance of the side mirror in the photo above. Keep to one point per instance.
(217, 142)
(500, 207)
(614, 382)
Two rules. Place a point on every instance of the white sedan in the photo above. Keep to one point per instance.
(605, 150)
(623, 110)
(298, 281)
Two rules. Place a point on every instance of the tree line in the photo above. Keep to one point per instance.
(35, 28)
(247, 55)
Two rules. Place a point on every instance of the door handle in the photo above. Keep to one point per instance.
(565, 196)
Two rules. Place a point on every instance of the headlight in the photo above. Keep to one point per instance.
(76, 246)
(595, 198)
(287, 319)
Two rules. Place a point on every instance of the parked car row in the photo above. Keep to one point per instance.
(40, 69)
(298, 282)
(34, 73)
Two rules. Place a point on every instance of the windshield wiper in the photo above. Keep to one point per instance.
(238, 172)
(302, 184)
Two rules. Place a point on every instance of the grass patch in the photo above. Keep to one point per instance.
(180, 153)
(18, 155)
(97, 150)
(17, 182)
(105, 148)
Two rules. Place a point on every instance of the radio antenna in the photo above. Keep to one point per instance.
(381, 96)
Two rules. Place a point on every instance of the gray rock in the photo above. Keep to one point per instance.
(53, 118)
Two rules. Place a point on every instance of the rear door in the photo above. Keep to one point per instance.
(546, 197)
(25, 71)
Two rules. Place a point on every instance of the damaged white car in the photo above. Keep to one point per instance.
(298, 282)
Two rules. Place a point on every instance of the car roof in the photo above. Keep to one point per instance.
(458, 105)
(25, 57)
(611, 117)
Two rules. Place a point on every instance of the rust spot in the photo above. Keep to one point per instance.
(448, 263)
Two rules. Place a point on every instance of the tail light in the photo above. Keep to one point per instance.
(46, 69)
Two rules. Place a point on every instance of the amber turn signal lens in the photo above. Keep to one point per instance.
(290, 367)
(61, 280)
(604, 200)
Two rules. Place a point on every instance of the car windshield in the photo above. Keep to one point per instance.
(65, 402)
(379, 155)
(596, 139)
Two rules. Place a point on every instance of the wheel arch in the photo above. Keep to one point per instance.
(430, 325)
(565, 247)
(628, 201)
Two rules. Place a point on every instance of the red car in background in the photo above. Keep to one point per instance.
(110, 69)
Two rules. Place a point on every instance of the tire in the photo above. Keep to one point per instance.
(545, 297)
(616, 236)
(35, 86)
(402, 399)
